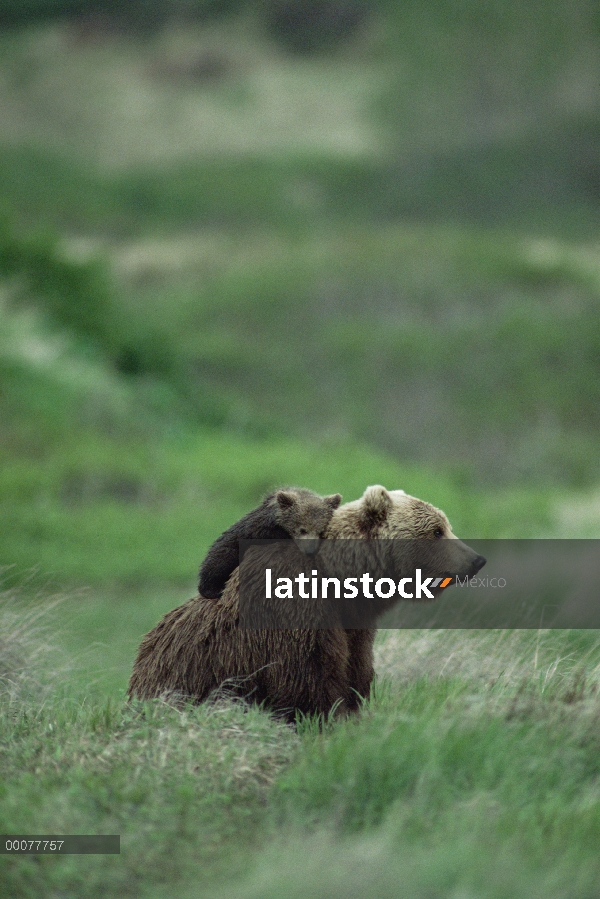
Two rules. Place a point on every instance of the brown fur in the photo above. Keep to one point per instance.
(292, 512)
(199, 648)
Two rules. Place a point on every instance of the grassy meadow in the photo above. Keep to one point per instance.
(231, 258)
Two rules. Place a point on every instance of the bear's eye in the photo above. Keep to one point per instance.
(439, 532)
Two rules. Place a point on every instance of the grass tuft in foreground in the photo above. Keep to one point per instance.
(463, 776)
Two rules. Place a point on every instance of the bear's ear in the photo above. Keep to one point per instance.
(285, 499)
(333, 501)
(376, 503)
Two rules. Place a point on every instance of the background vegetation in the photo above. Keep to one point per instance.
(330, 244)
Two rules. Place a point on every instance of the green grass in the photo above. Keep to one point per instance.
(393, 337)
(346, 245)
(104, 482)
(92, 515)
(477, 782)
(453, 779)
(177, 787)
(292, 192)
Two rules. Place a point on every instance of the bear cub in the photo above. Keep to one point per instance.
(292, 512)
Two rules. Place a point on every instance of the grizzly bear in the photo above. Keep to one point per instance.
(290, 513)
(200, 647)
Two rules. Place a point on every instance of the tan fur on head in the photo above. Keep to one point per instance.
(376, 505)
(389, 514)
(389, 518)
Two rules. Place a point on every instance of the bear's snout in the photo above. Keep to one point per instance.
(478, 564)
(308, 545)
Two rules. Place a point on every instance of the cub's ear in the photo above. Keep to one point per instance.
(333, 501)
(376, 503)
(285, 499)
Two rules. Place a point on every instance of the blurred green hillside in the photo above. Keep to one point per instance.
(247, 244)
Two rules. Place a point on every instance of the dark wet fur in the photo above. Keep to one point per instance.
(274, 519)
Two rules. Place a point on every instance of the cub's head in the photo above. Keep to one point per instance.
(305, 515)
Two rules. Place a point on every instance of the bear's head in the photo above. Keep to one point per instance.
(404, 532)
(305, 515)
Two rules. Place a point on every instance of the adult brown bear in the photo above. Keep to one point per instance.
(199, 647)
